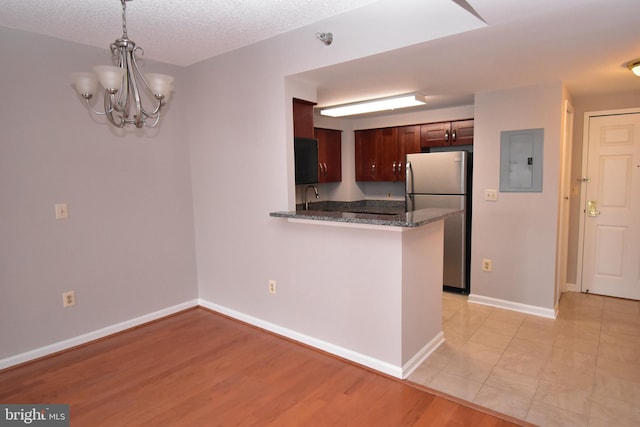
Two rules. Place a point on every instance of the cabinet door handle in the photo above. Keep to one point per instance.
(453, 136)
(373, 169)
(446, 135)
(393, 169)
(399, 168)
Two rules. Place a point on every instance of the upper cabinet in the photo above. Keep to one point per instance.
(459, 132)
(367, 143)
(328, 158)
(329, 155)
(380, 153)
(409, 140)
(396, 143)
(462, 132)
(388, 155)
(303, 118)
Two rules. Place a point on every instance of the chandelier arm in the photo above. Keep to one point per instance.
(92, 108)
(152, 114)
(136, 71)
(109, 110)
(133, 86)
(155, 122)
(124, 100)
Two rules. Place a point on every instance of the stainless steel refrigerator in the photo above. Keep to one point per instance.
(443, 180)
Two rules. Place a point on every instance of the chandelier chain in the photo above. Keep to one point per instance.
(124, 19)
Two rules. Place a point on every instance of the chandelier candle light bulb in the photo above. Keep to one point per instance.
(126, 80)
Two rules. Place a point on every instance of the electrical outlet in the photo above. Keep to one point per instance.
(491, 195)
(62, 210)
(486, 265)
(272, 286)
(68, 298)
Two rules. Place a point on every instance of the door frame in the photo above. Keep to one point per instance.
(564, 200)
(583, 194)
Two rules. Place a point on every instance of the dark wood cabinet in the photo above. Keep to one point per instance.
(409, 142)
(443, 134)
(388, 154)
(435, 135)
(303, 118)
(329, 154)
(380, 153)
(367, 144)
(462, 132)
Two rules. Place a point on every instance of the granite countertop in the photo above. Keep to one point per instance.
(373, 212)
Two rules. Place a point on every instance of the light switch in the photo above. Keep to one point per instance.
(62, 211)
(491, 195)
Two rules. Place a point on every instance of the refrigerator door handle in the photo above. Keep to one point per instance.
(409, 177)
(408, 185)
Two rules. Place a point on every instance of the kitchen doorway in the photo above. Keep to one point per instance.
(610, 222)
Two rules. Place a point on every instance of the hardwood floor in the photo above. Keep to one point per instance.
(198, 368)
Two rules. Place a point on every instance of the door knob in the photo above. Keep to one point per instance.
(592, 208)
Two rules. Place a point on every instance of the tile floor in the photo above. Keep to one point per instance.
(581, 369)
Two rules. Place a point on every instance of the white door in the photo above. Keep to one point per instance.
(611, 257)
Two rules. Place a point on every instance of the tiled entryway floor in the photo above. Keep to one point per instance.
(581, 369)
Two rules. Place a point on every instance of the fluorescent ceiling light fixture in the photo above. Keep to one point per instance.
(381, 104)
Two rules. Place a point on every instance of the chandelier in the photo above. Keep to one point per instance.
(125, 87)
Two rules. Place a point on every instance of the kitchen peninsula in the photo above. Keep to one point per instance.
(377, 280)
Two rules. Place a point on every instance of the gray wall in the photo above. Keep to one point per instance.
(518, 231)
(127, 248)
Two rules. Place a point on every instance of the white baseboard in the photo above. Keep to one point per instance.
(94, 335)
(514, 306)
(359, 358)
(345, 353)
(422, 355)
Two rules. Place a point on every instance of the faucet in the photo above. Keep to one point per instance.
(304, 198)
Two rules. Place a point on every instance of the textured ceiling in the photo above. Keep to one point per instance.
(172, 31)
(583, 43)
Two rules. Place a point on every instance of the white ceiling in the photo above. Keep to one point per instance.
(173, 31)
(584, 43)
